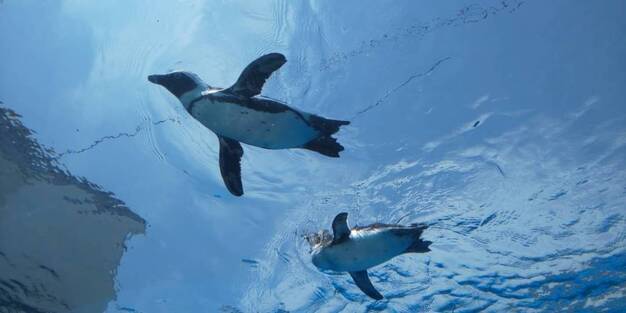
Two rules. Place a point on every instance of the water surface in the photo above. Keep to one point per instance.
(499, 123)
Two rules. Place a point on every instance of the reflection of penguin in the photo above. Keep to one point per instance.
(236, 115)
(355, 250)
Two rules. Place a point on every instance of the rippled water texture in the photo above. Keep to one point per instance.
(501, 124)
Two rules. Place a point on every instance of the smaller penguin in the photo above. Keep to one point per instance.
(357, 249)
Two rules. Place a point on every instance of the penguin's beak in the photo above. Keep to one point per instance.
(154, 78)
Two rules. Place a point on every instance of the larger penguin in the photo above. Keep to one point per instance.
(360, 248)
(236, 114)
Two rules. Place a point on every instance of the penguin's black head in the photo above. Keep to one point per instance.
(178, 83)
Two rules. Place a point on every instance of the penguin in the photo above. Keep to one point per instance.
(239, 114)
(360, 248)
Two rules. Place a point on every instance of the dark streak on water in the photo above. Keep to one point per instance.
(467, 15)
(100, 140)
(250, 261)
(401, 85)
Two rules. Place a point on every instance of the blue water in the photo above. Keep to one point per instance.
(502, 124)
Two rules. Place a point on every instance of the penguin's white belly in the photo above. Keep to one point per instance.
(258, 128)
(365, 249)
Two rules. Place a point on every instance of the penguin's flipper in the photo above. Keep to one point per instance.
(253, 77)
(341, 231)
(230, 164)
(363, 282)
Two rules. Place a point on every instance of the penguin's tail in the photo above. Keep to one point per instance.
(418, 245)
(325, 144)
